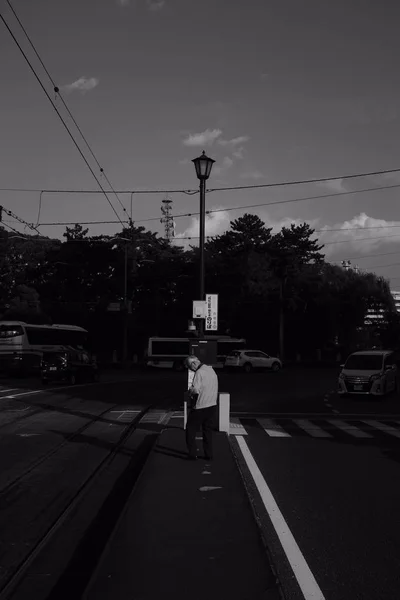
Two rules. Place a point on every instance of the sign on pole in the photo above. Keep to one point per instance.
(114, 306)
(199, 309)
(211, 312)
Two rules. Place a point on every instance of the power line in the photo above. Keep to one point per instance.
(11, 214)
(371, 255)
(275, 202)
(75, 191)
(230, 188)
(229, 208)
(58, 113)
(57, 91)
(381, 237)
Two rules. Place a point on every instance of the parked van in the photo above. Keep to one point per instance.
(371, 372)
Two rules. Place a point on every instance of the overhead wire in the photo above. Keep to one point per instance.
(58, 113)
(17, 218)
(57, 91)
(229, 188)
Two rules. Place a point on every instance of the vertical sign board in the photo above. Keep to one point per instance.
(211, 312)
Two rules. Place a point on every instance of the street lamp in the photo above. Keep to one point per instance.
(203, 165)
(125, 328)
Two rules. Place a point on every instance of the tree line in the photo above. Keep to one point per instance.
(276, 290)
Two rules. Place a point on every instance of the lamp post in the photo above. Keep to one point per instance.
(125, 310)
(203, 165)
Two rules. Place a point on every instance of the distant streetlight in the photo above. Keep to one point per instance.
(203, 165)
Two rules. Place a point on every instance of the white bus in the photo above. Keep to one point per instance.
(169, 353)
(22, 344)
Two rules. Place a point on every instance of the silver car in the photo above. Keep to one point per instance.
(248, 360)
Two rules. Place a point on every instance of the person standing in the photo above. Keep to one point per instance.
(204, 396)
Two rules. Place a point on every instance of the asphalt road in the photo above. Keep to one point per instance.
(337, 489)
(339, 498)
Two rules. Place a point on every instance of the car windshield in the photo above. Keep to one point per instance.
(364, 362)
(51, 358)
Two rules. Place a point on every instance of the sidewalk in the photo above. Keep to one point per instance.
(187, 532)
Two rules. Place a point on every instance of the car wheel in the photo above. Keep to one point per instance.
(247, 367)
(275, 367)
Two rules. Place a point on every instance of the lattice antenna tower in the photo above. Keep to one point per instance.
(167, 219)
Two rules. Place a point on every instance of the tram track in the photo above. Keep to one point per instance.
(15, 568)
(41, 459)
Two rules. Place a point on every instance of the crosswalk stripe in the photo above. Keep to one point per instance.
(350, 429)
(311, 428)
(235, 427)
(385, 428)
(272, 428)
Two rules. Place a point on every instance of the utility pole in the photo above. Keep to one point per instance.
(125, 324)
(167, 219)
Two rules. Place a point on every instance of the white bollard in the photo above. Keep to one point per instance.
(224, 407)
(184, 414)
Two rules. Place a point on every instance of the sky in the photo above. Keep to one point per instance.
(274, 91)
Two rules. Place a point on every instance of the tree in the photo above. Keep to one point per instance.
(283, 269)
(25, 306)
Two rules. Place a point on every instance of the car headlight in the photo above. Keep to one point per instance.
(375, 377)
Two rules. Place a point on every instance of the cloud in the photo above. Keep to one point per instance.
(360, 234)
(264, 76)
(239, 153)
(253, 174)
(205, 138)
(123, 2)
(241, 139)
(83, 84)
(215, 224)
(184, 161)
(335, 185)
(226, 164)
(155, 5)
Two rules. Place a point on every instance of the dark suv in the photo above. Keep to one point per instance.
(71, 366)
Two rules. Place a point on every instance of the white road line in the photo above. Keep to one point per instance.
(29, 393)
(385, 428)
(350, 429)
(164, 420)
(236, 428)
(272, 428)
(8, 390)
(312, 428)
(301, 570)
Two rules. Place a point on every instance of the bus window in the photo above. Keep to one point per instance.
(10, 331)
(170, 347)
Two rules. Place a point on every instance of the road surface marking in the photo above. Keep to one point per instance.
(385, 428)
(301, 570)
(272, 428)
(312, 429)
(236, 428)
(164, 420)
(350, 429)
(8, 390)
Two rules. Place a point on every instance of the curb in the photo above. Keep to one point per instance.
(275, 592)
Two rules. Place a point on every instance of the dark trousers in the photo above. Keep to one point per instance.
(204, 417)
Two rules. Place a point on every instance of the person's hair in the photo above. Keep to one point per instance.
(189, 359)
